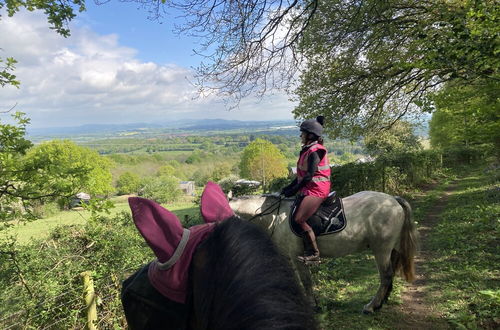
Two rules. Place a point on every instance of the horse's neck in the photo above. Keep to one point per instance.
(266, 206)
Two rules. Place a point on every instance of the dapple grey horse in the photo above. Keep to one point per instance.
(375, 221)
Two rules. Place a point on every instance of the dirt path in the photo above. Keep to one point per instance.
(419, 315)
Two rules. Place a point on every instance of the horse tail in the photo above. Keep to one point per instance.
(408, 244)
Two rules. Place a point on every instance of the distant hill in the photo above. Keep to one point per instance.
(183, 124)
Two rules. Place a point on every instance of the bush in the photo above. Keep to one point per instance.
(162, 189)
(41, 284)
(391, 173)
(128, 183)
(277, 184)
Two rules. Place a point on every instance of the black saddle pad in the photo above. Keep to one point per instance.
(328, 219)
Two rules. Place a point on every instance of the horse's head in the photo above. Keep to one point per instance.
(241, 281)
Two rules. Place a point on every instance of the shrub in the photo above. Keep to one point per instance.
(162, 189)
(128, 183)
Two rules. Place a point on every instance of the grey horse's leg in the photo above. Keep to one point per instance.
(386, 274)
(304, 277)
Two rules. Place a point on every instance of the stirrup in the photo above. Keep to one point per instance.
(310, 260)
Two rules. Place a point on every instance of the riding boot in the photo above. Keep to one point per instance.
(311, 255)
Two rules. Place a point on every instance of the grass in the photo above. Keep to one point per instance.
(465, 276)
(39, 229)
(466, 271)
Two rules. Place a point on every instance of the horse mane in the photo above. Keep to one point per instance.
(247, 283)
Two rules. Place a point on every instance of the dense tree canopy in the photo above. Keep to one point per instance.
(60, 167)
(467, 115)
(369, 63)
(162, 189)
(399, 138)
(128, 183)
(363, 64)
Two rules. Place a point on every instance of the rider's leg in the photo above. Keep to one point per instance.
(307, 207)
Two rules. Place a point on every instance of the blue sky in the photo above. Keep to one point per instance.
(116, 67)
(154, 40)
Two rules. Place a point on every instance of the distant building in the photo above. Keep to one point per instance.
(79, 199)
(366, 159)
(248, 183)
(187, 187)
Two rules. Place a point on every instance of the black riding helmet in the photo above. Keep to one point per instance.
(314, 126)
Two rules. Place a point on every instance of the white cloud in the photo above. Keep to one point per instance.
(91, 78)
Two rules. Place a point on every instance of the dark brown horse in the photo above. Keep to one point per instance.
(236, 279)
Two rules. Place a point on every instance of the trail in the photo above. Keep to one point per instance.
(419, 314)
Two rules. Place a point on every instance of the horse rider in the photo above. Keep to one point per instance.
(312, 183)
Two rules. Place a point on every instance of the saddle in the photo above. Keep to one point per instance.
(328, 219)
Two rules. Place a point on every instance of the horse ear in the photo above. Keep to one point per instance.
(214, 206)
(161, 229)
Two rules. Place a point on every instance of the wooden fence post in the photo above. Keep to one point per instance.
(90, 300)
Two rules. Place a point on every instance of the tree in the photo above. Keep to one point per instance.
(261, 160)
(163, 189)
(128, 183)
(399, 138)
(466, 115)
(166, 170)
(370, 63)
(62, 168)
(13, 146)
(47, 172)
(248, 45)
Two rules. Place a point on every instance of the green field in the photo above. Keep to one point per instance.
(39, 229)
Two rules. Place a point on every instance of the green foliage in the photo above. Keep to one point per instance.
(466, 116)
(465, 239)
(399, 138)
(128, 183)
(195, 157)
(41, 283)
(97, 207)
(263, 161)
(166, 170)
(460, 155)
(60, 167)
(213, 171)
(58, 13)
(7, 78)
(51, 171)
(278, 184)
(163, 189)
(371, 62)
(392, 173)
(13, 147)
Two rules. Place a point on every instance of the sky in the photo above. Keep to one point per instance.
(116, 67)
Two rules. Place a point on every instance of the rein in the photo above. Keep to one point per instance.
(274, 207)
